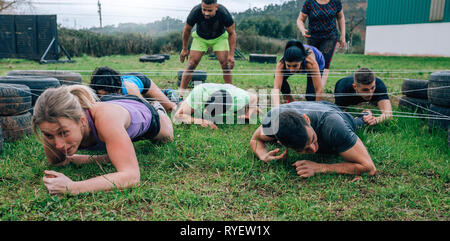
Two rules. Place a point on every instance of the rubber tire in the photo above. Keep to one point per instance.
(432, 124)
(407, 103)
(263, 58)
(440, 96)
(410, 87)
(14, 99)
(152, 58)
(16, 127)
(36, 84)
(166, 56)
(64, 77)
(199, 77)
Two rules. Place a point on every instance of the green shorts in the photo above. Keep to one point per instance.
(218, 44)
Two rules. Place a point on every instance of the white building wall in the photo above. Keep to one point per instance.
(429, 39)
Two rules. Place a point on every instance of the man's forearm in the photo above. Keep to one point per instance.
(186, 35)
(258, 147)
(232, 42)
(344, 168)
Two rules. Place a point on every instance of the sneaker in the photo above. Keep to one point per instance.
(170, 93)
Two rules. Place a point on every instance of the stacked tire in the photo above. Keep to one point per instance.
(15, 118)
(415, 96)
(439, 96)
(198, 77)
(64, 77)
(263, 58)
(155, 58)
(37, 84)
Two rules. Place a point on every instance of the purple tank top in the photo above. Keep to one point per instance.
(319, 57)
(141, 118)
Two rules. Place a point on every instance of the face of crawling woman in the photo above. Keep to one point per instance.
(66, 136)
(293, 66)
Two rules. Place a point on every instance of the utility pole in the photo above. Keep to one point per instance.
(100, 13)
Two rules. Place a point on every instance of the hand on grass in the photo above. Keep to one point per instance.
(306, 168)
(271, 155)
(206, 123)
(56, 183)
(369, 119)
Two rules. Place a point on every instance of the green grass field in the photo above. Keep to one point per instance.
(213, 175)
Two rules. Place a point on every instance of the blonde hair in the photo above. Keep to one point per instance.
(67, 101)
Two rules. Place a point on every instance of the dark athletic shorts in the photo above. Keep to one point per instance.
(155, 125)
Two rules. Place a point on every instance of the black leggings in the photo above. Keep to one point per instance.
(310, 90)
(326, 46)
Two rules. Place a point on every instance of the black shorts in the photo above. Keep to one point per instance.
(155, 125)
(326, 46)
(145, 80)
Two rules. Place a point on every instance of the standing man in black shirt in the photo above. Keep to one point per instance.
(216, 28)
(363, 86)
(313, 127)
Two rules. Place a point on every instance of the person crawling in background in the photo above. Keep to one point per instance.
(210, 101)
(106, 81)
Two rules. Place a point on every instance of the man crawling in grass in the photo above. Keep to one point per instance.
(209, 104)
(313, 127)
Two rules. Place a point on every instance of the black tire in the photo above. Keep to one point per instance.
(15, 127)
(439, 88)
(198, 77)
(36, 84)
(439, 123)
(64, 77)
(152, 58)
(414, 104)
(415, 88)
(166, 56)
(14, 99)
(263, 58)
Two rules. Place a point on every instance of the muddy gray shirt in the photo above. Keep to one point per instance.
(335, 128)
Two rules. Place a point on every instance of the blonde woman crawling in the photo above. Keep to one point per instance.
(71, 118)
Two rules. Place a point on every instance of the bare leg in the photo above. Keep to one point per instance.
(194, 60)
(165, 134)
(222, 56)
(156, 93)
(325, 76)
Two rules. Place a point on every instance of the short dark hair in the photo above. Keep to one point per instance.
(209, 1)
(218, 103)
(363, 76)
(292, 129)
(106, 79)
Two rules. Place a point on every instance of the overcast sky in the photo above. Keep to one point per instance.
(83, 13)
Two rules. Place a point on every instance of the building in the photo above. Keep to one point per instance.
(408, 27)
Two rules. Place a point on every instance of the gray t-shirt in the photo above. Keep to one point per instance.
(335, 128)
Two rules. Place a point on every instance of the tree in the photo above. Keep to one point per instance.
(354, 18)
(7, 5)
